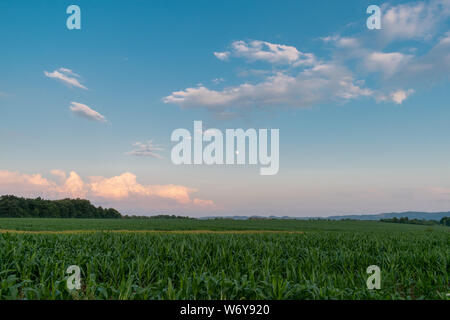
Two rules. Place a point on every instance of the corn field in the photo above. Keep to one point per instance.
(312, 265)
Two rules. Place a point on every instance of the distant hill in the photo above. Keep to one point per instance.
(409, 214)
(16, 207)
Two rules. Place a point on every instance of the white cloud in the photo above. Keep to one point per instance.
(359, 66)
(218, 80)
(374, 61)
(66, 76)
(257, 50)
(201, 96)
(266, 51)
(417, 20)
(400, 95)
(325, 82)
(222, 55)
(68, 72)
(388, 63)
(343, 42)
(432, 66)
(84, 111)
(347, 42)
(395, 96)
(147, 149)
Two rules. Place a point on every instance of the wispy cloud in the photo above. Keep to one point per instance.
(222, 55)
(69, 72)
(147, 149)
(203, 203)
(416, 20)
(310, 81)
(84, 111)
(344, 42)
(324, 82)
(387, 62)
(397, 96)
(257, 50)
(67, 76)
(218, 80)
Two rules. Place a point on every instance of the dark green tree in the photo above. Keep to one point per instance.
(17, 207)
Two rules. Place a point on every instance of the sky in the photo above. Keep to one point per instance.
(363, 114)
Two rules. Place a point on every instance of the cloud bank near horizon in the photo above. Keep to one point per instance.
(121, 189)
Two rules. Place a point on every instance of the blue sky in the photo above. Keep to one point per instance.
(363, 114)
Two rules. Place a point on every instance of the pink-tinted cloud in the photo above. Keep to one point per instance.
(84, 111)
(121, 188)
(203, 203)
(66, 76)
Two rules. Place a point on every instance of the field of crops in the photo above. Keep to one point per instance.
(51, 224)
(316, 260)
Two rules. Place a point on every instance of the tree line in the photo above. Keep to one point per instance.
(17, 207)
(159, 216)
(445, 221)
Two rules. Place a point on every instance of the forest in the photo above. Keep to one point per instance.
(445, 221)
(17, 207)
